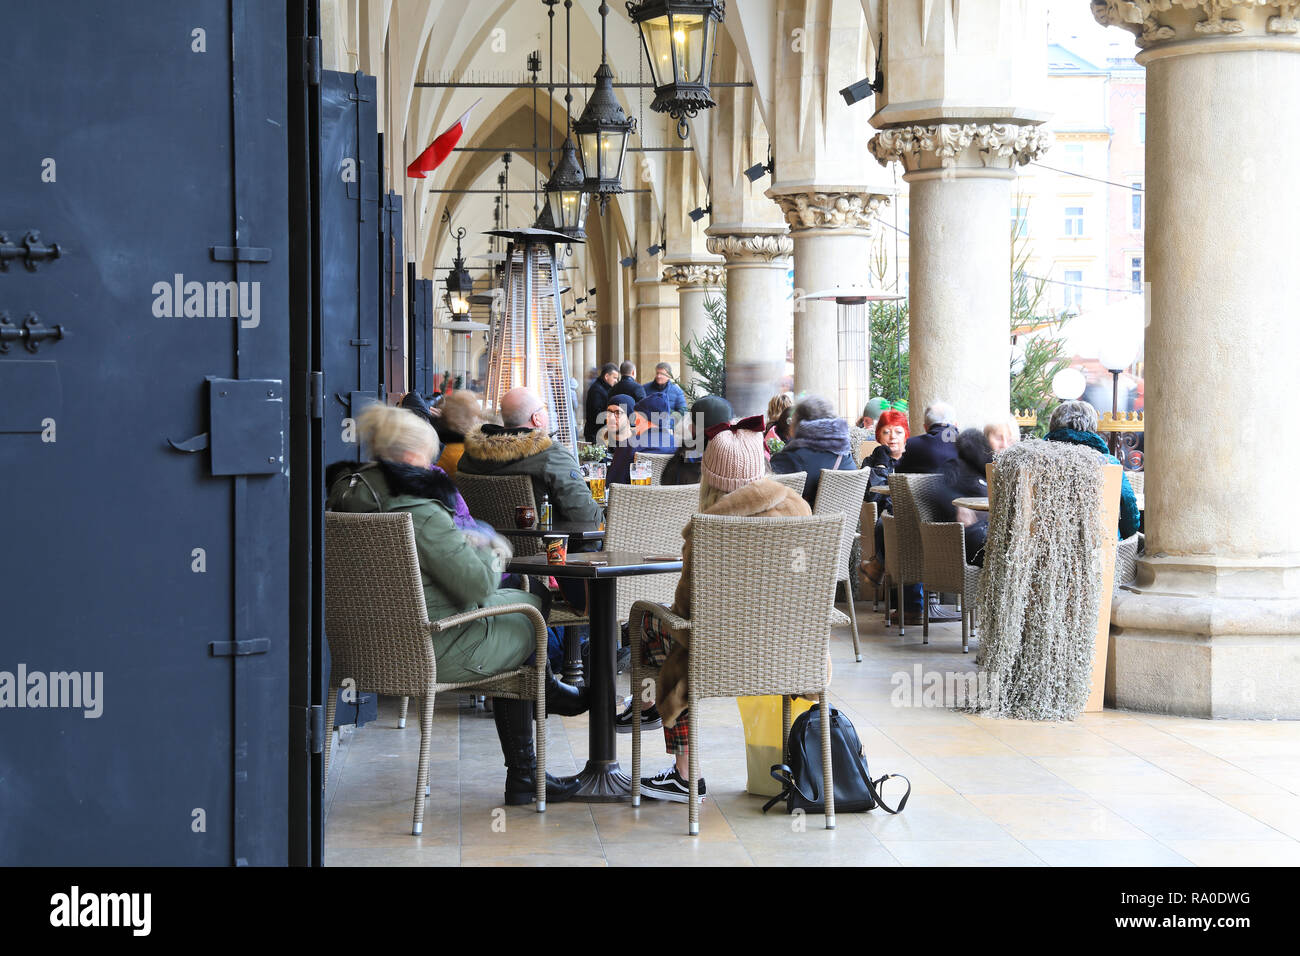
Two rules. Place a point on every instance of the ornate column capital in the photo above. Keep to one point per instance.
(699, 274)
(811, 208)
(972, 146)
(752, 248)
(1156, 22)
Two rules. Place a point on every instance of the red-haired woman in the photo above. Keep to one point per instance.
(892, 433)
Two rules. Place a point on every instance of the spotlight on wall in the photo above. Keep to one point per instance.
(591, 292)
(654, 250)
(859, 91)
(759, 170)
(699, 212)
(627, 261)
(580, 300)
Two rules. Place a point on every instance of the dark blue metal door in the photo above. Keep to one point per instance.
(421, 332)
(391, 310)
(350, 210)
(143, 424)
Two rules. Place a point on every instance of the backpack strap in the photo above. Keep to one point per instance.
(783, 775)
(875, 795)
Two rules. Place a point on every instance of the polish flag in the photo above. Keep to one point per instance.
(441, 147)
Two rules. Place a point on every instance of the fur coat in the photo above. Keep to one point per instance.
(760, 499)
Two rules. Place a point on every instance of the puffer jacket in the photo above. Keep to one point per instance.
(494, 450)
(764, 498)
(457, 574)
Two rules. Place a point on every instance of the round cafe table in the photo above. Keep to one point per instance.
(603, 781)
(974, 504)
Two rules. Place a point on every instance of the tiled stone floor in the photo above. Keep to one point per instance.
(1110, 789)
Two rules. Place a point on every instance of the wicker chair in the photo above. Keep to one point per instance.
(893, 574)
(795, 480)
(863, 451)
(657, 465)
(747, 637)
(841, 492)
(867, 517)
(493, 499)
(379, 631)
(648, 519)
(944, 568)
(1137, 480)
(911, 495)
(1126, 560)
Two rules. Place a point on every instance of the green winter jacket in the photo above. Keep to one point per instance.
(494, 450)
(457, 576)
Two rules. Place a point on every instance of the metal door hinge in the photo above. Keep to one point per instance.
(316, 393)
(241, 254)
(311, 57)
(316, 729)
(258, 645)
(31, 333)
(30, 249)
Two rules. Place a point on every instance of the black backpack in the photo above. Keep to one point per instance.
(802, 777)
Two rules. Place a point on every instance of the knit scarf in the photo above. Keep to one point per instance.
(1041, 588)
(830, 435)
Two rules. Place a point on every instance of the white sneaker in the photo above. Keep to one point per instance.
(670, 785)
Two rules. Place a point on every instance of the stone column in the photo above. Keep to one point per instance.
(757, 310)
(589, 345)
(1213, 627)
(656, 325)
(697, 282)
(960, 245)
(832, 228)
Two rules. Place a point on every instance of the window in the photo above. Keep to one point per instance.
(1137, 205)
(1019, 222)
(1074, 156)
(1135, 272)
(1073, 291)
(1142, 127)
(1074, 220)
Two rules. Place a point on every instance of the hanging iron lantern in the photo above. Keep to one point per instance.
(603, 129)
(459, 283)
(679, 36)
(565, 194)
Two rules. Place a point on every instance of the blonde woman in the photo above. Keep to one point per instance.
(777, 406)
(1002, 434)
(732, 482)
(460, 571)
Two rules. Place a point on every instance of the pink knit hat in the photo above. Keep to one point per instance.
(733, 459)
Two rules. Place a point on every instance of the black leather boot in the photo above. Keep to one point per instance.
(565, 700)
(514, 720)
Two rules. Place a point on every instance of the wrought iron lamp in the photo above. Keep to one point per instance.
(603, 129)
(459, 284)
(679, 36)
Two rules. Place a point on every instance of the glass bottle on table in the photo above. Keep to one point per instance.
(544, 517)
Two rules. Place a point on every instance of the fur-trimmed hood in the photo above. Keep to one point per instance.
(764, 498)
(496, 443)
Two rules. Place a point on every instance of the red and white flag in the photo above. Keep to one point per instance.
(441, 147)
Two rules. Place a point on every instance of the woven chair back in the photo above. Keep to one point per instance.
(648, 519)
(657, 465)
(864, 450)
(867, 516)
(943, 546)
(493, 499)
(1137, 480)
(761, 594)
(795, 480)
(889, 526)
(911, 495)
(376, 622)
(841, 492)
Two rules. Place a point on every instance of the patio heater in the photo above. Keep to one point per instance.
(528, 347)
(1116, 354)
(853, 337)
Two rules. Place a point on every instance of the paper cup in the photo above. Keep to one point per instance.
(557, 548)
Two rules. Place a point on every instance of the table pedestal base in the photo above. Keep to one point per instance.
(603, 781)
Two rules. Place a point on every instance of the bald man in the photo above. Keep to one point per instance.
(521, 446)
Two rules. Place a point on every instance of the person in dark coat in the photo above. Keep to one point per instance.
(597, 399)
(964, 477)
(891, 432)
(663, 383)
(460, 572)
(628, 385)
(618, 438)
(684, 467)
(926, 454)
(820, 441)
